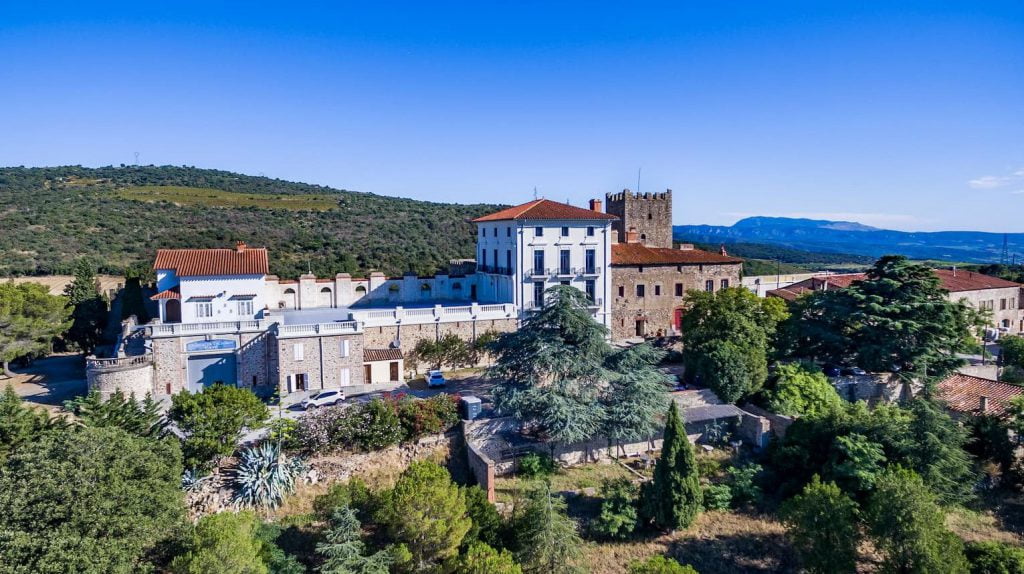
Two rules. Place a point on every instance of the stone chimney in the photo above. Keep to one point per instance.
(632, 236)
(686, 247)
(595, 205)
(983, 404)
(722, 251)
(239, 246)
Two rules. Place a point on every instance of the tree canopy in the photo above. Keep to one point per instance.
(673, 499)
(727, 336)
(213, 420)
(30, 319)
(802, 389)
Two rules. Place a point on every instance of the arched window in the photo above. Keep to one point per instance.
(643, 237)
(425, 288)
(457, 286)
(326, 297)
(325, 290)
(360, 290)
(289, 291)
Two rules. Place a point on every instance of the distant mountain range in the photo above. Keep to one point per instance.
(855, 238)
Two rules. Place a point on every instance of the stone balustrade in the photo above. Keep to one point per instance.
(335, 328)
(435, 314)
(94, 363)
(179, 329)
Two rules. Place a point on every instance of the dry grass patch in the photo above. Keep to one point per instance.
(718, 543)
(208, 197)
(974, 526)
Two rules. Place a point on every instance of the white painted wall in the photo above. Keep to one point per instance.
(222, 288)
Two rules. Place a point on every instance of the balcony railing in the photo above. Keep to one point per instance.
(539, 272)
(494, 269)
(599, 302)
(171, 329)
(118, 362)
(335, 328)
(589, 271)
(566, 271)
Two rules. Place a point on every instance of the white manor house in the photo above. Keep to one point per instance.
(223, 317)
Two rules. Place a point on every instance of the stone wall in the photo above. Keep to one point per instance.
(321, 361)
(649, 213)
(410, 335)
(134, 380)
(169, 364)
(660, 301)
(779, 423)
(875, 387)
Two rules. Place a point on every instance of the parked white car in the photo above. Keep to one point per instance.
(435, 379)
(323, 398)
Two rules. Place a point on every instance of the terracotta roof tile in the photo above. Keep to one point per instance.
(374, 355)
(198, 262)
(962, 393)
(640, 254)
(172, 293)
(954, 282)
(543, 209)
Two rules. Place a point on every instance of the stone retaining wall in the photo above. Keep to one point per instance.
(134, 380)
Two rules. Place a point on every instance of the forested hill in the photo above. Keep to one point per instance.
(118, 217)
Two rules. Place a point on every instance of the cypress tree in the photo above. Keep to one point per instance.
(673, 499)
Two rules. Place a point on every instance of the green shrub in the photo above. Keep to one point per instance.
(213, 420)
(660, 565)
(376, 426)
(743, 484)
(618, 517)
(337, 495)
(995, 558)
(284, 431)
(486, 522)
(708, 467)
(717, 497)
(535, 464)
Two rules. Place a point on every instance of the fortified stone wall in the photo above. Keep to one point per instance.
(649, 213)
(135, 380)
(659, 302)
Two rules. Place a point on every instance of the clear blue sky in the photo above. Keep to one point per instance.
(897, 114)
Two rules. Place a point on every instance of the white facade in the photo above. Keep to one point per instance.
(519, 259)
(212, 298)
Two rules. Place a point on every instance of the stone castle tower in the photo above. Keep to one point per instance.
(650, 214)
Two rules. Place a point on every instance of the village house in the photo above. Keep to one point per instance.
(1003, 299)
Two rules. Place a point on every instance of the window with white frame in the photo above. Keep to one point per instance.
(346, 377)
(345, 347)
(204, 309)
(245, 307)
(300, 351)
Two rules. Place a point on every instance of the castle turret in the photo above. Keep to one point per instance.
(650, 214)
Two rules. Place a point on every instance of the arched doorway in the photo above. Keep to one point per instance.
(326, 298)
(172, 311)
(289, 299)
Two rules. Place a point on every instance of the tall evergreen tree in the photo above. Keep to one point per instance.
(343, 550)
(547, 540)
(20, 425)
(935, 450)
(673, 499)
(140, 418)
(637, 393)
(88, 309)
(822, 523)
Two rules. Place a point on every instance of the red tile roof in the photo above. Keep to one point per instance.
(196, 262)
(640, 254)
(952, 281)
(540, 209)
(962, 393)
(172, 293)
(374, 355)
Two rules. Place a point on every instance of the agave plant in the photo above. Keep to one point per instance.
(192, 481)
(264, 476)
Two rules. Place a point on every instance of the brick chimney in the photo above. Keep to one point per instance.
(239, 246)
(632, 236)
(595, 205)
(983, 404)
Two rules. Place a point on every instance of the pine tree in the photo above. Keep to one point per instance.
(140, 418)
(673, 499)
(822, 523)
(546, 537)
(88, 309)
(343, 550)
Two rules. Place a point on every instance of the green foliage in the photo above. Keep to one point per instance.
(483, 559)
(376, 426)
(908, 526)
(619, 517)
(743, 484)
(133, 302)
(535, 465)
(138, 417)
(726, 338)
(995, 558)
(429, 416)
(660, 565)
(822, 523)
(1012, 351)
(1012, 375)
(546, 539)
(486, 524)
(558, 374)
(21, 424)
(673, 499)
(89, 309)
(921, 437)
(284, 431)
(90, 500)
(353, 493)
(343, 550)
(990, 441)
(717, 496)
(213, 419)
(449, 350)
(899, 315)
(263, 476)
(57, 221)
(277, 560)
(802, 389)
(426, 512)
(30, 319)
(223, 543)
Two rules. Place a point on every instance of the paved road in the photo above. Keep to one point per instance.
(51, 381)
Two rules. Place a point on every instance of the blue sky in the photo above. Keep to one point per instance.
(897, 114)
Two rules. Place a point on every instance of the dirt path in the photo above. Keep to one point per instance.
(51, 381)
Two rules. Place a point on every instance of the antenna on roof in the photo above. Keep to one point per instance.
(638, 170)
(535, 193)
